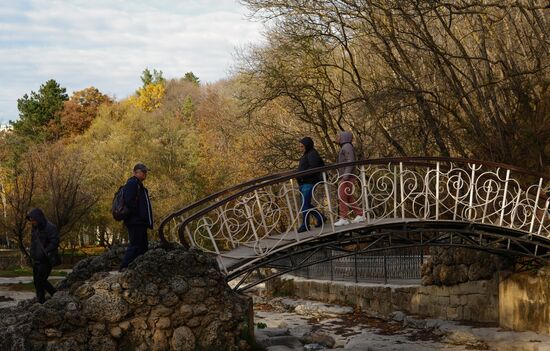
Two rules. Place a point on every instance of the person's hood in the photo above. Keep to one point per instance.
(345, 137)
(39, 216)
(307, 142)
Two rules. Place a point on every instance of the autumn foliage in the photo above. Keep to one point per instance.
(408, 78)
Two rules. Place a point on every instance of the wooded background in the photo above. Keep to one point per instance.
(408, 78)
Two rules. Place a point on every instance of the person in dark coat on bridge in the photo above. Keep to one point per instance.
(310, 159)
(140, 217)
(44, 241)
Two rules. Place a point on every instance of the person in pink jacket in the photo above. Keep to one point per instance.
(347, 181)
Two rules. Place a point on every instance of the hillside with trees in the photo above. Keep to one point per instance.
(453, 78)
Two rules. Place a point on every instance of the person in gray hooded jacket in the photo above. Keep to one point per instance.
(347, 181)
(44, 241)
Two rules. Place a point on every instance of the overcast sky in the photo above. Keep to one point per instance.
(108, 43)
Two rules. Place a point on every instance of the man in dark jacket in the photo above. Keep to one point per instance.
(140, 218)
(310, 159)
(44, 241)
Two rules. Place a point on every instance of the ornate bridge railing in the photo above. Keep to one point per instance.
(255, 219)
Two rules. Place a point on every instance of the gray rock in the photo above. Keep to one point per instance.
(465, 338)
(398, 316)
(284, 348)
(318, 338)
(108, 307)
(179, 286)
(315, 308)
(287, 340)
(271, 332)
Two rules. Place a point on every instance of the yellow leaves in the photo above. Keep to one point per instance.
(149, 97)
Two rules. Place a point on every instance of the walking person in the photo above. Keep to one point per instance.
(310, 159)
(140, 216)
(347, 181)
(44, 243)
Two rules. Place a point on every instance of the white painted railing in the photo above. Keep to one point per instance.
(427, 189)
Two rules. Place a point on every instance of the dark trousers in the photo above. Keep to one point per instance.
(307, 208)
(40, 274)
(137, 236)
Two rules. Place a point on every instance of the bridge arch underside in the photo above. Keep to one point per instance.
(528, 251)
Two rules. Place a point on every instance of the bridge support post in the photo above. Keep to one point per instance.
(261, 210)
(457, 194)
(421, 250)
(504, 204)
(535, 205)
(426, 192)
(394, 192)
(227, 228)
(293, 220)
(331, 266)
(207, 226)
(385, 268)
(437, 172)
(191, 240)
(250, 218)
(543, 216)
(486, 203)
(366, 210)
(402, 190)
(328, 200)
(355, 267)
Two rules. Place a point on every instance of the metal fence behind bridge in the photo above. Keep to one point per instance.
(392, 266)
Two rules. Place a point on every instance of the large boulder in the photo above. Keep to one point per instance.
(87, 267)
(166, 300)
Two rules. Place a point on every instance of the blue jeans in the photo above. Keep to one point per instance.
(307, 208)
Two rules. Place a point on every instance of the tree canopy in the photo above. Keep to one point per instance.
(408, 78)
(39, 110)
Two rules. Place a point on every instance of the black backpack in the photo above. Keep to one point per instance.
(118, 207)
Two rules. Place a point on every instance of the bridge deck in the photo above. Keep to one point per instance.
(254, 250)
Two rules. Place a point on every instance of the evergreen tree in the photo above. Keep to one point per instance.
(151, 78)
(191, 77)
(40, 109)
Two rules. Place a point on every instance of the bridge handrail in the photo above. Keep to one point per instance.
(255, 184)
(213, 196)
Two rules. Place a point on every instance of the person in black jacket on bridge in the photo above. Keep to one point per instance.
(310, 159)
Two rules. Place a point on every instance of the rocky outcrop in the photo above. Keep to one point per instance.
(87, 267)
(166, 300)
(450, 266)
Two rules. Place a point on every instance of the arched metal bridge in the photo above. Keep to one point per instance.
(407, 202)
